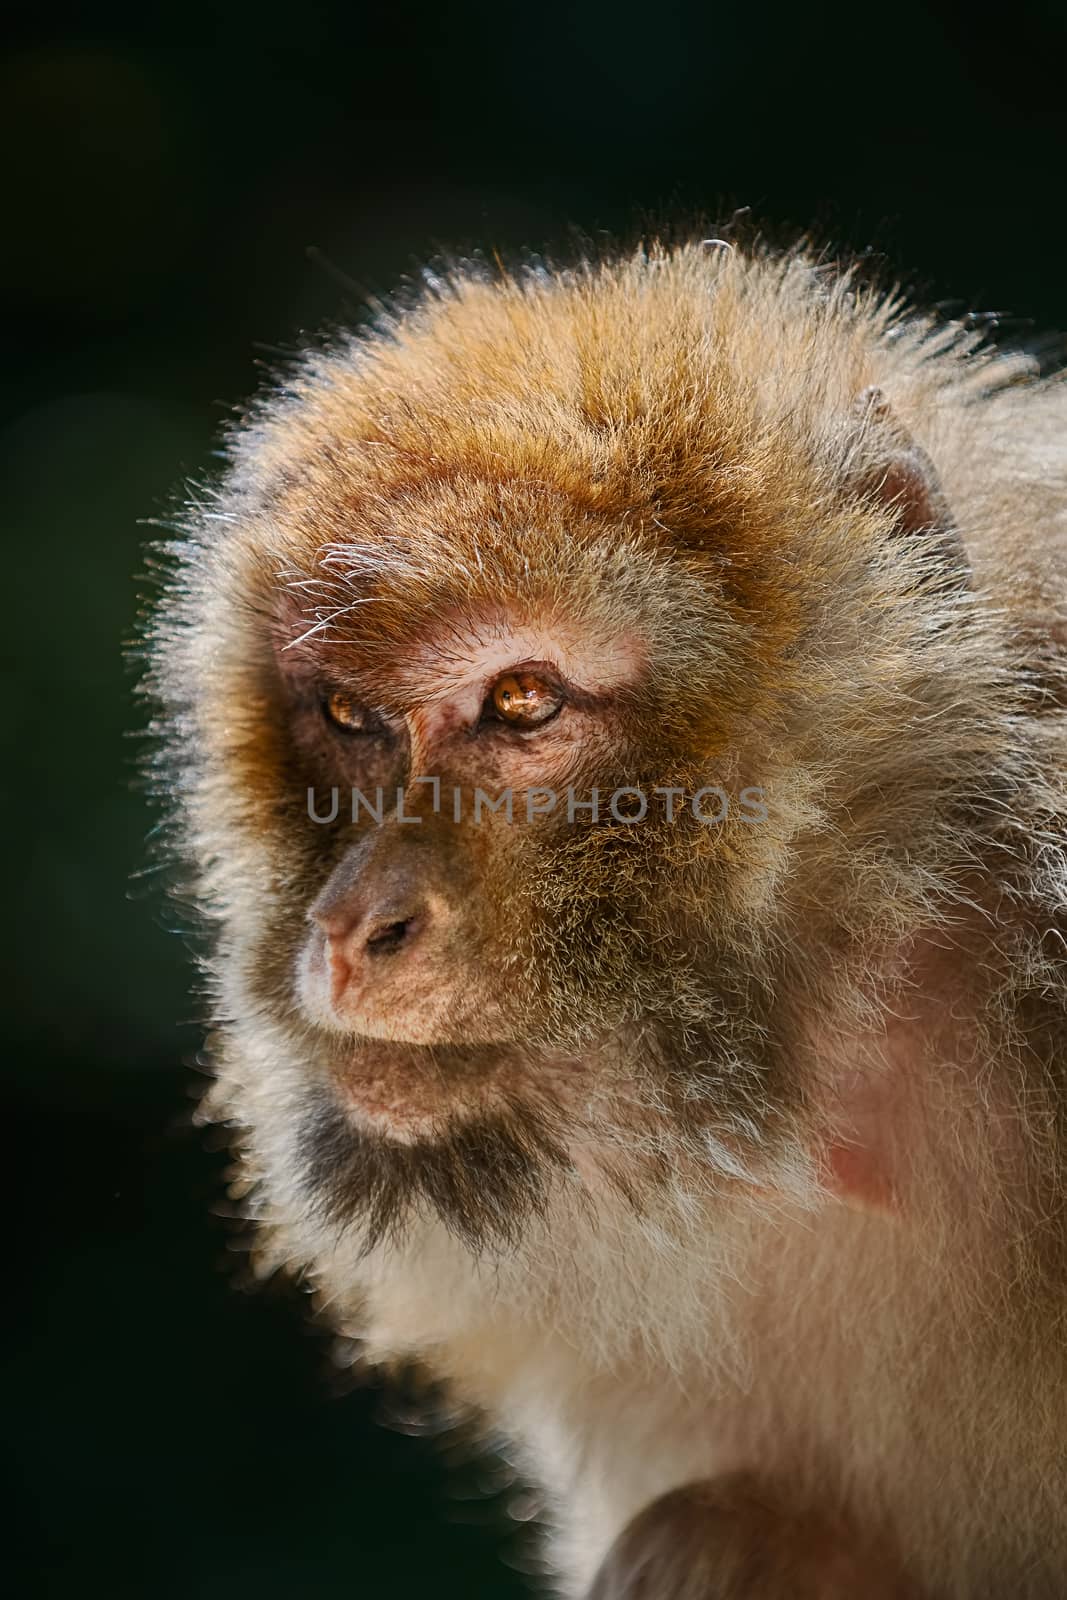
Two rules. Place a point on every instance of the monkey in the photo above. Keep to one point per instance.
(714, 1157)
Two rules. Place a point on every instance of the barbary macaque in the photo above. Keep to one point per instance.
(713, 1154)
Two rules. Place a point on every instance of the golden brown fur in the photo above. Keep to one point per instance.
(778, 1131)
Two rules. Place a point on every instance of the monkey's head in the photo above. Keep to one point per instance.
(510, 673)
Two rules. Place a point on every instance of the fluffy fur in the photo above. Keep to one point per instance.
(773, 1177)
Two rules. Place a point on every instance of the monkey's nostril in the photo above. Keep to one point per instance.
(386, 937)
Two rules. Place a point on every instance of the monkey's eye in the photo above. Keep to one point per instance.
(346, 713)
(523, 700)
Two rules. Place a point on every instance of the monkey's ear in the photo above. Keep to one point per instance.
(858, 1176)
(897, 472)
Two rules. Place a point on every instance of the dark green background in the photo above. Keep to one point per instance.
(166, 176)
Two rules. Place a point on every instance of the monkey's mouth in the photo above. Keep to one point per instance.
(416, 1093)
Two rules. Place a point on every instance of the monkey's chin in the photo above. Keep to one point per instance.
(412, 1093)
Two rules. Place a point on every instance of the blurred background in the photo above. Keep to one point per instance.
(191, 189)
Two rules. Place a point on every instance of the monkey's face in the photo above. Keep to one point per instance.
(462, 873)
(428, 928)
(486, 884)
